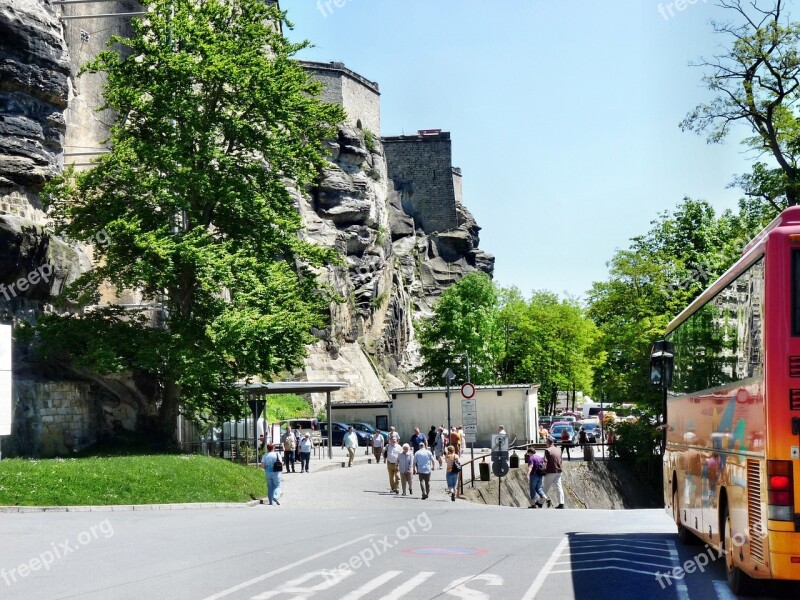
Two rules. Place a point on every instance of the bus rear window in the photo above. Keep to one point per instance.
(796, 292)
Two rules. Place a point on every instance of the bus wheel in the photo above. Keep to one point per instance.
(686, 537)
(739, 582)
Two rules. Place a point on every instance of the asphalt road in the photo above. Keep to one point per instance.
(378, 546)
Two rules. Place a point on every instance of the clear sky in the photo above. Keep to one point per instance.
(563, 113)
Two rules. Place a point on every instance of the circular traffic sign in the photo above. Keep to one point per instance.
(500, 468)
(467, 390)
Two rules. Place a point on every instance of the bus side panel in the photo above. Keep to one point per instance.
(708, 437)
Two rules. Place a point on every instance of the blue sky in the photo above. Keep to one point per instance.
(563, 113)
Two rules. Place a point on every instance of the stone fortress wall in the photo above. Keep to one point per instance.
(360, 97)
(421, 166)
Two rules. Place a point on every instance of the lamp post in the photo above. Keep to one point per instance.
(448, 377)
(661, 366)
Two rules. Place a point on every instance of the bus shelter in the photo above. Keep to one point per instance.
(256, 396)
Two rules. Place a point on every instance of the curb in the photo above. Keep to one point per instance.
(126, 507)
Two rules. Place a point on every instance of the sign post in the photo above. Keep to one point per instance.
(469, 416)
(6, 402)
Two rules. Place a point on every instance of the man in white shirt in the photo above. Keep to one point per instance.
(393, 434)
(423, 465)
(350, 442)
(392, 454)
(377, 445)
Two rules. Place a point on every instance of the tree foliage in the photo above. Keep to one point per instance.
(510, 339)
(757, 82)
(215, 121)
(651, 282)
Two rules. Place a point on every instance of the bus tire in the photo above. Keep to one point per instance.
(739, 582)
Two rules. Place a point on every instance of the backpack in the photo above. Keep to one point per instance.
(456, 468)
(277, 466)
(541, 469)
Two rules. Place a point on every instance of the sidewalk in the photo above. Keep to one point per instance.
(365, 485)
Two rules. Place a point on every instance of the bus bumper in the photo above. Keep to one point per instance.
(784, 555)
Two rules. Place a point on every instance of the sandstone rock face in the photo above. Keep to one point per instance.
(394, 270)
(34, 67)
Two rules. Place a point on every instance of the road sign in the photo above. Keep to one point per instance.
(500, 442)
(468, 390)
(500, 468)
(469, 417)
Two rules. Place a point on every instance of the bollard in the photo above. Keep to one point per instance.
(483, 467)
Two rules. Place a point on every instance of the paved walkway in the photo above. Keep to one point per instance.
(364, 485)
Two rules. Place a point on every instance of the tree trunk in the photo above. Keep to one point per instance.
(168, 413)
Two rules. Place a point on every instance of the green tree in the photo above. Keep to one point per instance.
(757, 83)
(215, 121)
(464, 321)
(551, 342)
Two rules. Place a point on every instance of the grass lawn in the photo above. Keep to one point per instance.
(153, 479)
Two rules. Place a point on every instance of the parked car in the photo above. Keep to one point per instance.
(556, 433)
(370, 430)
(339, 429)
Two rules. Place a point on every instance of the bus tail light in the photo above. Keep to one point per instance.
(780, 489)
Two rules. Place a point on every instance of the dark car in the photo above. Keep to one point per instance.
(339, 429)
(369, 430)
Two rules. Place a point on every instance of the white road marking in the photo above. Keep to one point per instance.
(723, 591)
(274, 572)
(587, 554)
(605, 568)
(371, 585)
(594, 561)
(539, 581)
(399, 592)
(680, 586)
(303, 586)
(459, 589)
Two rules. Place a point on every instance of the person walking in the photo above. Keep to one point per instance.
(405, 463)
(273, 477)
(393, 451)
(393, 434)
(536, 472)
(462, 441)
(423, 466)
(441, 445)
(417, 439)
(566, 442)
(350, 442)
(432, 438)
(289, 447)
(552, 457)
(377, 445)
(453, 470)
(306, 447)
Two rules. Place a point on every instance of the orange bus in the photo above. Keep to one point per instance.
(732, 411)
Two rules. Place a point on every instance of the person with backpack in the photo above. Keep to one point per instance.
(566, 441)
(271, 463)
(536, 472)
(453, 471)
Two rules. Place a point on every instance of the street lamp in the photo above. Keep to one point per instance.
(448, 377)
(661, 364)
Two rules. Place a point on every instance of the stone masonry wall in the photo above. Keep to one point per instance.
(53, 418)
(360, 98)
(421, 166)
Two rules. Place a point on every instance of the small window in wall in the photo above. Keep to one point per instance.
(419, 395)
(382, 422)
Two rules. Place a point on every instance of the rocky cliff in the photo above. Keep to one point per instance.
(395, 263)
